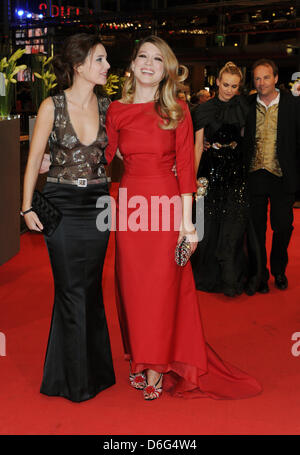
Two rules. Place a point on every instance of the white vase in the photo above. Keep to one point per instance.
(32, 119)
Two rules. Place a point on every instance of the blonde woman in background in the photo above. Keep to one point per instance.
(220, 263)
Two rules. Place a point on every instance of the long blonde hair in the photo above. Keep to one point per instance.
(166, 104)
(231, 68)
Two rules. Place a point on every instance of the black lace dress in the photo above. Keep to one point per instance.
(220, 263)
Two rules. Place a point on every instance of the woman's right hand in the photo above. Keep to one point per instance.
(206, 144)
(41, 132)
(33, 222)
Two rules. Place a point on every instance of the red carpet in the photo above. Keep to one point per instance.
(254, 333)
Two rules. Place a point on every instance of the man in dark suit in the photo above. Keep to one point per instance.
(272, 145)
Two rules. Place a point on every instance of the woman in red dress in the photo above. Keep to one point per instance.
(156, 299)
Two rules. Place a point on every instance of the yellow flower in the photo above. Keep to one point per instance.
(46, 62)
(3, 64)
(10, 69)
(17, 69)
(112, 84)
(16, 55)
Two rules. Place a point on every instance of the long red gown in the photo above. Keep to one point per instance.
(156, 299)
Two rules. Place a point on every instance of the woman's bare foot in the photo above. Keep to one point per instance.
(153, 388)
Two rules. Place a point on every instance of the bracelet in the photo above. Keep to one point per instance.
(26, 211)
(191, 232)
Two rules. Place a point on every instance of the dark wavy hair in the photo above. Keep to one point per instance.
(74, 51)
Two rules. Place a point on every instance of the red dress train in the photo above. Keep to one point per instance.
(156, 299)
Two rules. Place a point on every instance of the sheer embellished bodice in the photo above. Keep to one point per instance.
(223, 163)
(70, 159)
(225, 153)
(226, 171)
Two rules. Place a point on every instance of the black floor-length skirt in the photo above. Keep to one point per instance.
(227, 258)
(78, 362)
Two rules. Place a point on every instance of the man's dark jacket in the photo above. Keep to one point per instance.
(288, 138)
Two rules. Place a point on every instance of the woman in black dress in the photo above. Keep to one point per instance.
(78, 362)
(220, 263)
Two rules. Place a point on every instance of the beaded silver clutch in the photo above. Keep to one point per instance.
(183, 252)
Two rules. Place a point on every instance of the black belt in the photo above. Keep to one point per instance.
(79, 182)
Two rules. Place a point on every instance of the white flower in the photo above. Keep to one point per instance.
(296, 88)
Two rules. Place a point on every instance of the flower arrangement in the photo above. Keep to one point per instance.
(295, 87)
(113, 86)
(44, 80)
(9, 68)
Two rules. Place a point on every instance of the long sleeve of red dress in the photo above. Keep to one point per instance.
(112, 133)
(185, 159)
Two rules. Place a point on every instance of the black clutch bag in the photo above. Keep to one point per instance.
(183, 252)
(49, 215)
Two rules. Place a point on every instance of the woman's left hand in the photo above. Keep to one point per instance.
(45, 164)
(191, 236)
